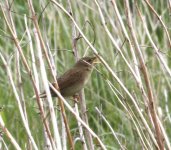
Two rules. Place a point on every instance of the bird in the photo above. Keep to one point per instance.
(74, 79)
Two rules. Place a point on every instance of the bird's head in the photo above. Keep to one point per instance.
(87, 62)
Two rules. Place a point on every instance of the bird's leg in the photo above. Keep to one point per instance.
(76, 98)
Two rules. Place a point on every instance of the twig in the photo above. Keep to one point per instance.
(131, 114)
(152, 106)
(110, 127)
(45, 82)
(108, 67)
(160, 19)
(8, 134)
(77, 117)
(16, 42)
(88, 136)
(34, 18)
(18, 101)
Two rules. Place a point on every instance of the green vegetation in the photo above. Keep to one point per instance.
(103, 90)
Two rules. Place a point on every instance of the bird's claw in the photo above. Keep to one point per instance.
(76, 98)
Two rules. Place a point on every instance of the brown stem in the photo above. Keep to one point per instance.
(146, 78)
(75, 39)
(35, 21)
(16, 42)
(160, 19)
(151, 104)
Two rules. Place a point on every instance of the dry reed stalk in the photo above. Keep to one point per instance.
(107, 66)
(35, 21)
(8, 134)
(17, 44)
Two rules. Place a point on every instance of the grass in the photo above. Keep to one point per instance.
(103, 90)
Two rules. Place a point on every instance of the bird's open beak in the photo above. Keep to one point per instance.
(96, 60)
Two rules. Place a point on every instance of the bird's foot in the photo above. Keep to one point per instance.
(76, 98)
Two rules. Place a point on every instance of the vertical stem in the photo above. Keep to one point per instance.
(75, 51)
(16, 42)
(34, 18)
(151, 104)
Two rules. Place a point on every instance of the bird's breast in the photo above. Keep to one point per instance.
(77, 82)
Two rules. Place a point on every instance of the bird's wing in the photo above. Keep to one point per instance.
(69, 78)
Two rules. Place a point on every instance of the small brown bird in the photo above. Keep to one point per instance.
(73, 80)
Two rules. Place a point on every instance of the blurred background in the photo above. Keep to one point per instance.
(103, 90)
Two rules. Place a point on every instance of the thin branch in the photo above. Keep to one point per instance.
(19, 102)
(8, 134)
(160, 19)
(77, 117)
(88, 136)
(152, 108)
(34, 18)
(16, 42)
(108, 67)
(110, 127)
